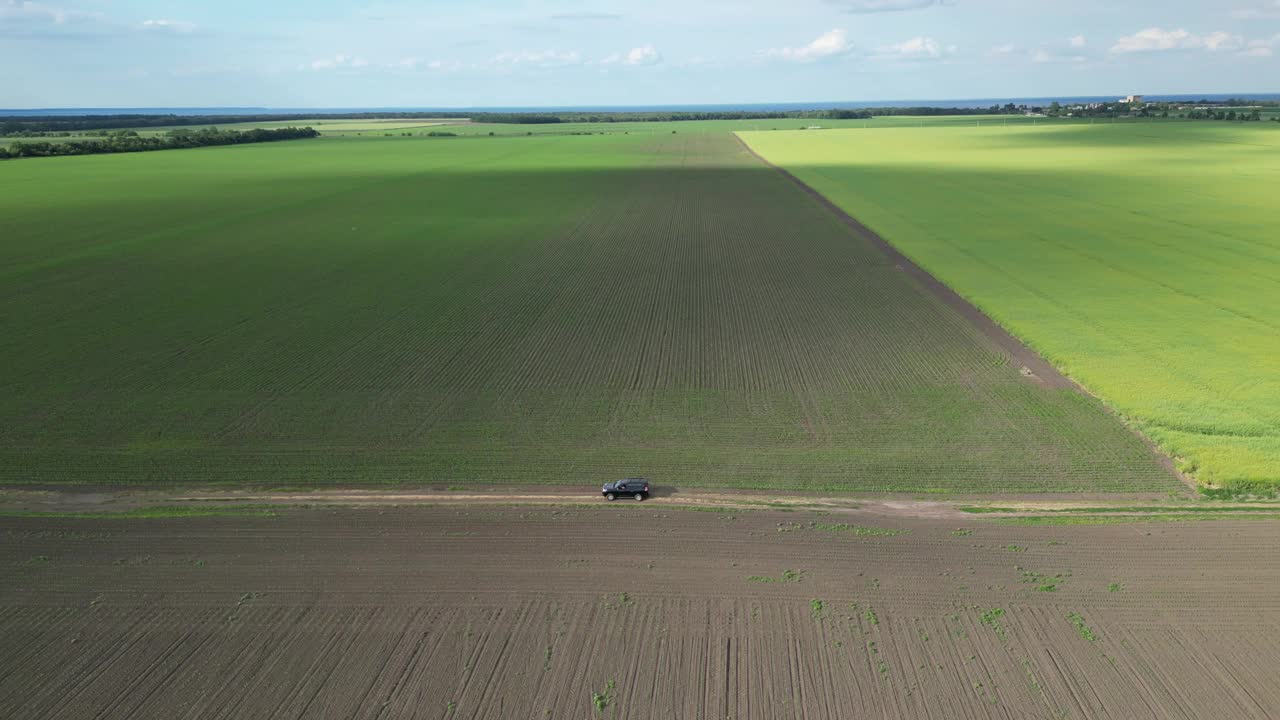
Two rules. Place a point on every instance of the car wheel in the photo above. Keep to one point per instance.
(639, 497)
(609, 497)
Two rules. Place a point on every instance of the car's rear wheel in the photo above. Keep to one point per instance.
(639, 497)
(609, 497)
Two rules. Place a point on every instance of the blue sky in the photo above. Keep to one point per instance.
(460, 53)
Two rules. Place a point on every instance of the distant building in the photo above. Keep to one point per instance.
(1132, 99)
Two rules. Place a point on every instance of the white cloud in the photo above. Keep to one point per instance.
(918, 48)
(829, 44)
(875, 6)
(537, 58)
(1269, 10)
(39, 12)
(1217, 41)
(1044, 54)
(31, 10)
(337, 62)
(586, 16)
(1262, 48)
(644, 55)
(1077, 42)
(1157, 39)
(178, 26)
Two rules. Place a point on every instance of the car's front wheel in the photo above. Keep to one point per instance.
(609, 497)
(639, 497)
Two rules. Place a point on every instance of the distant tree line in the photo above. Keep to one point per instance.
(1228, 115)
(12, 126)
(831, 114)
(518, 118)
(129, 141)
(1229, 110)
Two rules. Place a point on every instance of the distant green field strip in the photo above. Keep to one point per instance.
(546, 309)
(1143, 260)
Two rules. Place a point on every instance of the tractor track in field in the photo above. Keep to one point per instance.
(1032, 364)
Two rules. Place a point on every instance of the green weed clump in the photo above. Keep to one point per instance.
(1077, 621)
(787, 576)
(602, 700)
(991, 619)
(816, 608)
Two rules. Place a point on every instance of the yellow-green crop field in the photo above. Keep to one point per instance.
(1142, 259)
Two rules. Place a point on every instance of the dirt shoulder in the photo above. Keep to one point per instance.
(57, 499)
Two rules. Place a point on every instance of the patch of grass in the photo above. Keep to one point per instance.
(708, 509)
(962, 532)
(871, 617)
(991, 619)
(788, 576)
(1044, 582)
(816, 608)
(602, 700)
(1115, 587)
(622, 600)
(1077, 621)
(1015, 548)
(858, 530)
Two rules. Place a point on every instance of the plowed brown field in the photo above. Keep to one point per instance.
(469, 612)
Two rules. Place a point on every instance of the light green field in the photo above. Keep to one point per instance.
(1143, 259)
(551, 309)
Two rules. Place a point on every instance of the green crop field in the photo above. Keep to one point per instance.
(1143, 259)
(556, 309)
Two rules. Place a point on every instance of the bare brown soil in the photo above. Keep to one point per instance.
(493, 612)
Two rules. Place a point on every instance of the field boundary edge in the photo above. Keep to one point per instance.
(1018, 352)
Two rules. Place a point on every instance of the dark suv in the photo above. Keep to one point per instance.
(635, 487)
